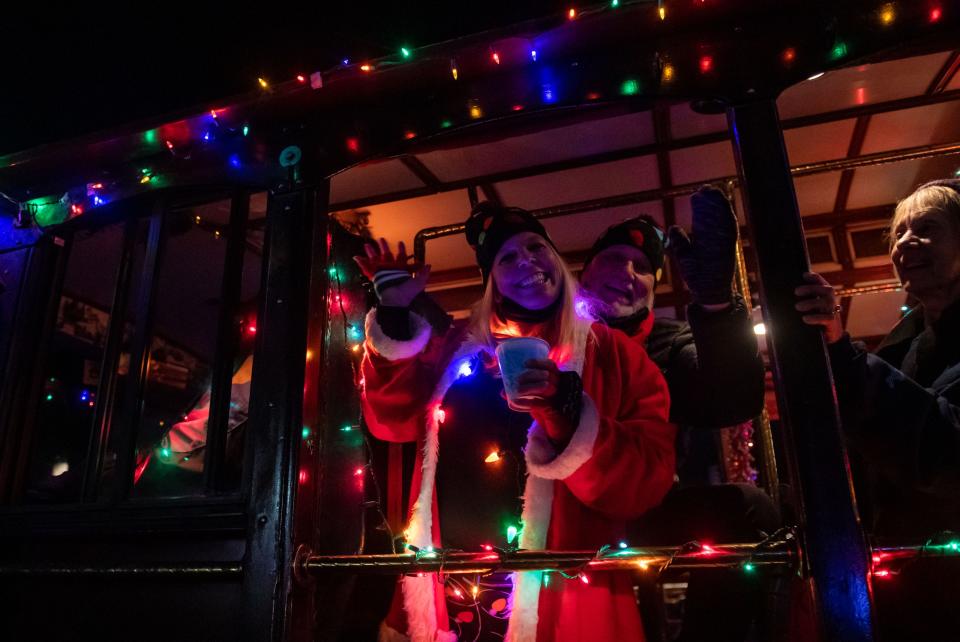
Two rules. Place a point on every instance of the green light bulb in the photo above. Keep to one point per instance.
(511, 534)
(630, 87)
(839, 51)
(305, 432)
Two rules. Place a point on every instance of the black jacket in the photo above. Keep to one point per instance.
(901, 417)
(712, 366)
(715, 374)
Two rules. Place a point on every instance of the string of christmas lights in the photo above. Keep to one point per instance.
(211, 129)
(885, 15)
(353, 338)
(779, 549)
(776, 550)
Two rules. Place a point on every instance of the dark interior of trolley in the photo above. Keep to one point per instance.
(180, 425)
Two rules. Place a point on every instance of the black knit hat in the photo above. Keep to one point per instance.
(491, 225)
(640, 232)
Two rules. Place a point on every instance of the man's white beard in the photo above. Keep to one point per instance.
(621, 310)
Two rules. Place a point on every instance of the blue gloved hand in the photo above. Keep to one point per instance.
(707, 257)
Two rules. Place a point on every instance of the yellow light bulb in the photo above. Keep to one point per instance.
(888, 14)
(492, 457)
(663, 12)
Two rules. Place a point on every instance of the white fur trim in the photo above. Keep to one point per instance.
(525, 597)
(537, 510)
(392, 349)
(418, 592)
(542, 458)
(418, 602)
(420, 528)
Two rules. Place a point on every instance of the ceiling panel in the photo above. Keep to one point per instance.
(702, 163)
(371, 179)
(819, 142)
(619, 177)
(884, 184)
(926, 125)
(684, 122)
(816, 194)
(861, 85)
(547, 146)
(578, 232)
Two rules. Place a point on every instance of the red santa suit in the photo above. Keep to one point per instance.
(618, 463)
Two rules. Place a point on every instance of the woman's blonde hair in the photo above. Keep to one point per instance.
(485, 319)
(930, 197)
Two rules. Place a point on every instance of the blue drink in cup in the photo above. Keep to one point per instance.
(512, 354)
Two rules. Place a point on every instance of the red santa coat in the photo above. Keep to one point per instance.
(618, 464)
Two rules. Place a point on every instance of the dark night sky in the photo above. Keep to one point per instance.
(87, 68)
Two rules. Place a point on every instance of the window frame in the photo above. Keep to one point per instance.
(21, 387)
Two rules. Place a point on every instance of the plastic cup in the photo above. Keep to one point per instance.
(512, 354)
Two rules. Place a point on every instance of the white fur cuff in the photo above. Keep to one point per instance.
(542, 458)
(392, 349)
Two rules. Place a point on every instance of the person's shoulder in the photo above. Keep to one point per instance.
(666, 330)
(604, 333)
(667, 325)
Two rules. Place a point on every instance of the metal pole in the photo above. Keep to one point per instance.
(276, 404)
(138, 371)
(837, 556)
(656, 558)
(99, 442)
(226, 343)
